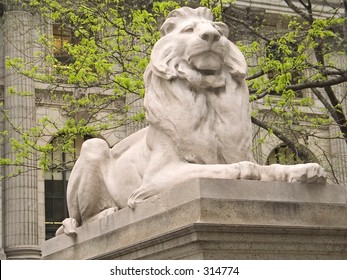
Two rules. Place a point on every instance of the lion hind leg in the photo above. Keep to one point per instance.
(69, 227)
(87, 193)
(103, 213)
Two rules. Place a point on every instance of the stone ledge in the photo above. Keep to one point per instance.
(210, 241)
(218, 219)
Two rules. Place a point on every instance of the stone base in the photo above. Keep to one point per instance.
(2, 254)
(23, 252)
(218, 219)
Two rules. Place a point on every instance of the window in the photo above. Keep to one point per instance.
(282, 154)
(56, 181)
(62, 36)
(55, 189)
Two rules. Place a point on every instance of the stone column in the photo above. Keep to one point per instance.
(2, 153)
(338, 146)
(2, 128)
(338, 156)
(20, 191)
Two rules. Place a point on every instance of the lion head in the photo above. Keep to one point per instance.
(194, 47)
(196, 94)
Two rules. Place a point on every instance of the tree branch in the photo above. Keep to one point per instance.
(309, 85)
(325, 102)
(256, 75)
(301, 152)
(340, 117)
(320, 84)
(298, 11)
(247, 26)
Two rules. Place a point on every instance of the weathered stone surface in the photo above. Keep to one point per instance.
(218, 219)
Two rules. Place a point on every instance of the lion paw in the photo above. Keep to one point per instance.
(139, 195)
(299, 173)
(244, 170)
(307, 173)
(248, 171)
(69, 227)
(132, 202)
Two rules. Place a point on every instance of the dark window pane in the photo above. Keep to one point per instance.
(48, 188)
(49, 209)
(51, 229)
(58, 189)
(58, 210)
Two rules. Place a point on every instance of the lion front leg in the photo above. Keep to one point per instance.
(174, 174)
(301, 173)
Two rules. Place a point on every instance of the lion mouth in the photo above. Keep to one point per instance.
(206, 62)
(200, 74)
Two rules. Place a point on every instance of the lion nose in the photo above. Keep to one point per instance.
(210, 35)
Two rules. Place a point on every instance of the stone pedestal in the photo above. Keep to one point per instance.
(218, 219)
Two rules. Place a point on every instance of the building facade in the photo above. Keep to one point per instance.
(326, 149)
(33, 203)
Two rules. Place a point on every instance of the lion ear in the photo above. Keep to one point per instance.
(222, 28)
(236, 61)
(167, 27)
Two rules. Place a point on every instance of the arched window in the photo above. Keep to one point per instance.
(56, 180)
(282, 154)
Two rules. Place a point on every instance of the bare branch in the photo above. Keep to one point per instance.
(247, 26)
(301, 152)
(331, 165)
(298, 11)
(320, 84)
(256, 75)
(308, 85)
(325, 102)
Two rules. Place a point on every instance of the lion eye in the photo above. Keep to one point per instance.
(188, 29)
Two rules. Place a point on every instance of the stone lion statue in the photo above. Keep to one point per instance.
(198, 114)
